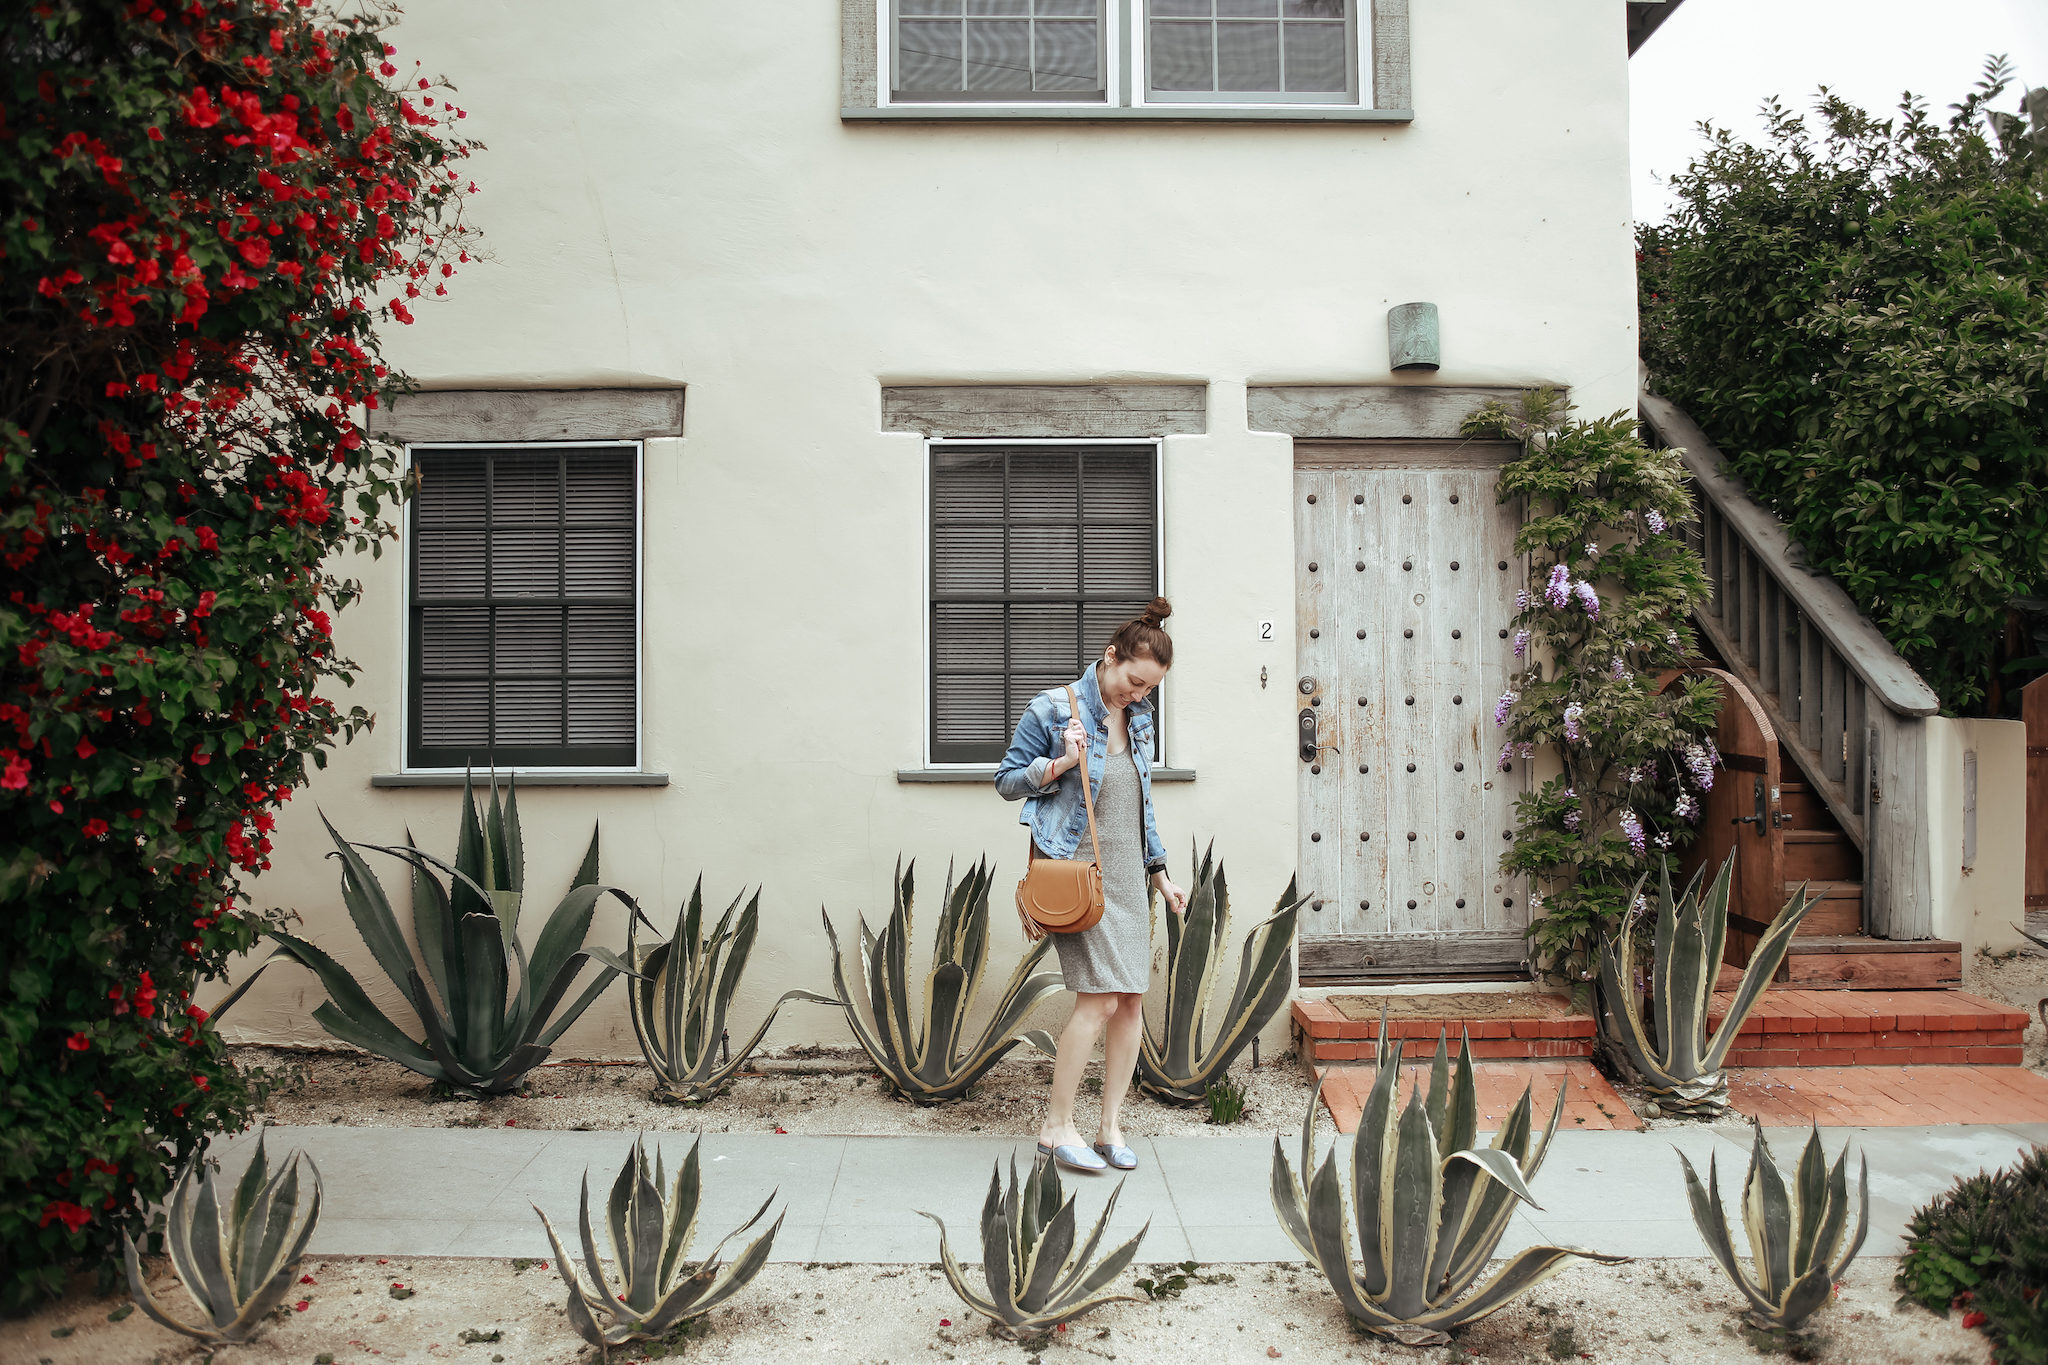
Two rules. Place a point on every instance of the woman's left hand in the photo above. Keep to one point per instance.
(1176, 899)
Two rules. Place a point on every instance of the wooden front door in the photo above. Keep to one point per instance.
(1406, 577)
(1744, 816)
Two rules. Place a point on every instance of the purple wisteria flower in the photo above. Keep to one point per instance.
(1525, 748)
(1633, 828)
(1655, 521)
(1521, 599)
(1572, 715)
(1700, 765)
(1617, 668)
(1592, 550)
(1663, 841)
(1671, 638)
(1521, 643)
(1571, 820)
(1640, 906)
(1687, 807)
(1504, 705)
(1588, 599)
(1507, 752)
(1558, 591)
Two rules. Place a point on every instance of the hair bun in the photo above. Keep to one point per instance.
(1156, 614)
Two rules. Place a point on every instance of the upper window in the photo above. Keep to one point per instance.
(1039, 552)
(1000, 50)
(1252, 51)
(523, 623)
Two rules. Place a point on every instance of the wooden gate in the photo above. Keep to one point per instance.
(1742, 815)
(1406, 576)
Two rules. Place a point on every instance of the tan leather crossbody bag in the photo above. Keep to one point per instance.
(1063, 895)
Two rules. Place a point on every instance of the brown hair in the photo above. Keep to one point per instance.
(1143, 637)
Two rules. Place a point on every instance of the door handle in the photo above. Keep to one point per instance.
(1306, 726)
(1758, 818)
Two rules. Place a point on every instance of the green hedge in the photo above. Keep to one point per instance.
(1983, 1248)
(1856, 311)
(207, 207)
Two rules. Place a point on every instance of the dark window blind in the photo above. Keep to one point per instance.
(1038, 554)
(999, 50)
(523, 644)
(1264, 50)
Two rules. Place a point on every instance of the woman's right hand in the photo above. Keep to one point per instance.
(1076, 737)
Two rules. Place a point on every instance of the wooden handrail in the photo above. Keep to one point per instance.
(1891, 680)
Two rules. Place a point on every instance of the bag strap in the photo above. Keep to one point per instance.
(1074, 708)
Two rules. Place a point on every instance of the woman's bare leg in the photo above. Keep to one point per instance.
(1076, 1048)
(1119, 1060)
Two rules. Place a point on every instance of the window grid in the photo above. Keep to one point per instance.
(590, 729)
(980, 39)
(1024, 603)
(1307, 47)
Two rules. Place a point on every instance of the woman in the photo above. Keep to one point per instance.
(1108, 966)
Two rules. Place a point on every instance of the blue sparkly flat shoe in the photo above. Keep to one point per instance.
(1118, 1155)
(1073, 1156)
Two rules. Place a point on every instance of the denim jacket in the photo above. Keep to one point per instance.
(1054, 812)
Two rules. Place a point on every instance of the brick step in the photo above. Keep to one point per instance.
(1511, 1028)
(1821, 855)
(1795, 1027)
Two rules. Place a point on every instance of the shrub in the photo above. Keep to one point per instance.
(1983, 1246)
(1612, 586)
(1856, 313)
(203, 204)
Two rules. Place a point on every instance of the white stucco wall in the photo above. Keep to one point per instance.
(1978, 903)
(670, 198)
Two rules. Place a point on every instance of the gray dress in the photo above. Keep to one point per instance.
(1116, 955)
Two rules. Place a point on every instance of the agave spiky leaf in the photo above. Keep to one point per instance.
(237, 1260)
(934, 1060)
(1679, 1063)
(1799, 1238)
(1036, 1277)
(683, 992)
(1177, 1065)
(489, 1013)
(658, 1285)
(1431, 1206)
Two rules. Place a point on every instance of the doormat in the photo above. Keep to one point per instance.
(1457, 1005)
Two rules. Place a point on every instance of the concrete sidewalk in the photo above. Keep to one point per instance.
(468, 1192)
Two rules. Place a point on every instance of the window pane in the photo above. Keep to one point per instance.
(1045, 642)
(928, 56)
(1045, 558)
(967, 637)
(998, 55)
(601, 486)
(528, 640)
(928, 7)
(1120, 561)
(456, 714)
(1247, 9)
(1003, 7)
(1314, 9)
(455, 639)
(526, 488)
(600, 639)
(968, 557)
(451, 563)
(970, 710)
(1183, 55)
(1068, 54)
(1118, 487)
(1078, 9)
(1248, 56)
(526, 563)
(600, 561)
(528, 712)
(451, 489)
(1316, 58)
(601, 711)
(968, 483)
(1044, 484)
(1167, 9)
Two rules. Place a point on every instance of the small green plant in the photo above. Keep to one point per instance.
(658, 1286)
(1176, 1065)
(1167, 1281)
(682, 994)
(1564, 1342)
(1226, 1100)
(1982, 1246)
(1678, 1063)
(1036, 1277)
(928, 1063)
(471, 1336)
(492, 1014)
(236, 1260)
(1799, 1237)
(1432, 1207)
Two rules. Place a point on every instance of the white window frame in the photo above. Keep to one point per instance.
(1125, 25)
(405, 698)
(1157, 446)
(1359, 56)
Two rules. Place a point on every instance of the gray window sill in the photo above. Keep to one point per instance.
(536, 779)
(1192, 113)
(987, 776)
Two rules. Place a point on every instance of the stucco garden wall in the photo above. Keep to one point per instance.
(670, 198)
(1978, 901)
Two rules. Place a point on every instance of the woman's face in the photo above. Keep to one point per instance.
(1124, 681)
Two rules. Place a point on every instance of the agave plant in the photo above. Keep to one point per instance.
(658, 1286)
(683, 991)
(235, 1261)
(490, 1015)
(928, 1063)
(1678, 1063)
(1431, 1206)
(1176, 1065)
(1036, 1278)
(1796, 1235)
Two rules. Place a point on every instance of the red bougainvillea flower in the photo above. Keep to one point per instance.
(70, 1215)
(302, 1305)
(1976, 1317)
(78, 1042)
(94, 827)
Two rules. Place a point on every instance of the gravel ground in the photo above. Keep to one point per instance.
(358, 1091)
(2018, 978)
(1642, 1312)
